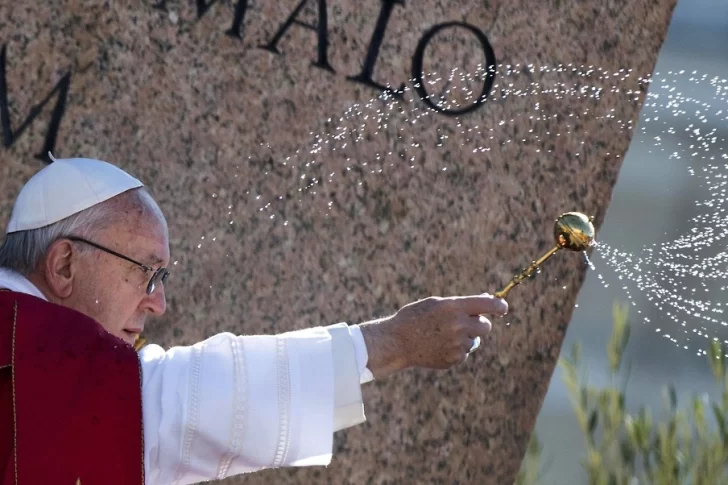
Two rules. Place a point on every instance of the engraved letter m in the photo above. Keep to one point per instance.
(9, 136)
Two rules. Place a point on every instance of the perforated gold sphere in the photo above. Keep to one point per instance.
(574, 230)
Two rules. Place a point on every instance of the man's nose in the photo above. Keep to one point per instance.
(157, 302)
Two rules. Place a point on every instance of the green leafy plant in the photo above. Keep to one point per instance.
(679, 447)
(530, 471)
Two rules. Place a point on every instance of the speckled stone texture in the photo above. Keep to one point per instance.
(272, 232)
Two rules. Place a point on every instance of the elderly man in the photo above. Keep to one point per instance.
(82, 267)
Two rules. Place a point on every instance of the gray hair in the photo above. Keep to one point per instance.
(23, 251)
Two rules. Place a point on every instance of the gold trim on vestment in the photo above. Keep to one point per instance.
(141, 389)
(139, 343)
(15, 415)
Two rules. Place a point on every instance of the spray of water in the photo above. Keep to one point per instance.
(672, 275)
(683, 277)
(356, 136)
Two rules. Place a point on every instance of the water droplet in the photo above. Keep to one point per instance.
(375, 137)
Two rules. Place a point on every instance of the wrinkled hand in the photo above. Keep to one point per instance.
(434, 333)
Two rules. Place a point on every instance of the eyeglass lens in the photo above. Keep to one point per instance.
(161, 274)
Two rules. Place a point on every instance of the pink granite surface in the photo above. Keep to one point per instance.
(219, 128)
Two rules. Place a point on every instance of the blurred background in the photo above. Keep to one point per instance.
(653, 201)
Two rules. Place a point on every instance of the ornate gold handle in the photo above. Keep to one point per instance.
(526, 272)
(572, 230)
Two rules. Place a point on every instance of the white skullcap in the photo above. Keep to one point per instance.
(66, 187)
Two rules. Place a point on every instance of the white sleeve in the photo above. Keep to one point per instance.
(236, 404)
(362, 356)
(350, 358)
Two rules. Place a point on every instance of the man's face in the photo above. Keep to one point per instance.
(113, 291)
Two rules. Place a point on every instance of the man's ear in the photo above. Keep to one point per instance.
(59, 268)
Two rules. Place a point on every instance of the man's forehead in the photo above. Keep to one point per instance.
(142, 230)
(155, 250)
(147, 242)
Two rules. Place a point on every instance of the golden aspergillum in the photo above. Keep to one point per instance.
(572, 230)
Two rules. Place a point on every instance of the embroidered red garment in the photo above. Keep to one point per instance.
(77, 410)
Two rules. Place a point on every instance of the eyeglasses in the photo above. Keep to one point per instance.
(160, 274)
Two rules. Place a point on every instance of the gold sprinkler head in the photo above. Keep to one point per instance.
(574, 230)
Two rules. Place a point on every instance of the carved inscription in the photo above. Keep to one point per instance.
(13, 129)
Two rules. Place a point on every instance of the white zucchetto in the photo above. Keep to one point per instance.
(66, 187)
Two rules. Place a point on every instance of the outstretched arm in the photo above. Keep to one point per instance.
(235, 404)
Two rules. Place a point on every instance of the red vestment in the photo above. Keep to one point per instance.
(70, 398)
